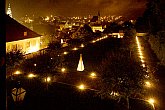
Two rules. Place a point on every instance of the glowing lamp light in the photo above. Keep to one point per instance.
(82, 45)
(93, 75)
(151, 101)
(81, 87)
(142, 61)
(63, 70)
(17, 72)
(143, 65)
(48, 79)
(31, 75)
(75, 48)
(35, 64)
(93, 41)
(148, 84)
(65, 53)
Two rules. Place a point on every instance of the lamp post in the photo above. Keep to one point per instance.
(18, 94)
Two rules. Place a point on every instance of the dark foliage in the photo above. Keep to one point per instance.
(54, 45)
(13, 57)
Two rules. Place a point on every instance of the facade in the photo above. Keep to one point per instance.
(26, 46)
(96, 24)
(97, 28)
(19, 37)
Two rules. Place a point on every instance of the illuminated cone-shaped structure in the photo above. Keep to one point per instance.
(80, 64)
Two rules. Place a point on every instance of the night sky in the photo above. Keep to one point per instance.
(128, 8)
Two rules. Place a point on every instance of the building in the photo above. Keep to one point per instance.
(95, 23)
(19, 37)
(96, 28)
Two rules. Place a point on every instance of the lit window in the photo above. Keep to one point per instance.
(25, 33)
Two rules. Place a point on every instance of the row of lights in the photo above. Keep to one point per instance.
(147, 83)
(75, 48)
(48, 79)
(99, 39)
(140, 52)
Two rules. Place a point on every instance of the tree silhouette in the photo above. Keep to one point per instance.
(13, 59)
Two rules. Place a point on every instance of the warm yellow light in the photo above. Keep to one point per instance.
(143, 65)
(141, 56)
(63, 69)
(35, 64)
(31, 75)
(142, 61)
(81, 87)
(93, 41)
(47, 18)
(17, 72)
(151, 101)
(148, 84)
(34, 49)
(75, 48)
(48, 79)
(82, 45)
(93, 75)
(65, 53)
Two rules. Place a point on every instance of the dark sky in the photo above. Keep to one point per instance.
(130, 8)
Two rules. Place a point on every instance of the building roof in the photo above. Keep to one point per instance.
(15, 31)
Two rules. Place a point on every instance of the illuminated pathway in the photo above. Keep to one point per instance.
(145, 64)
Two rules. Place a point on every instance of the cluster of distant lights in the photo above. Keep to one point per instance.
(148, 84)
(52, 18)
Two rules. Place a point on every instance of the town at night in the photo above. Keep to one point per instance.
(84, 55)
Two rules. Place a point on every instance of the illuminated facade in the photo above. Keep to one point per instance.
(97, 28)
(27, 45)
(19, 37)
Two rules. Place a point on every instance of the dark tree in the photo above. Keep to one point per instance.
(121, 74)
(13, 60)
(87, 28)
(54, 45)
(154, 15)
(112, 27)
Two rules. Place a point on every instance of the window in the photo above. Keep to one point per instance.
(25, 33)
(27, 44)
(14, 47)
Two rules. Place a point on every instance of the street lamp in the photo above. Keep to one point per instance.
(47, 79)
(18, 94)
(63, 69)
(148, 84)
(35, 64)
(82, 45)
(31, 75)
(151, 101)
(75, 48)
(65, 53)
(17, 72)
(81, 87)
(93, 75)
